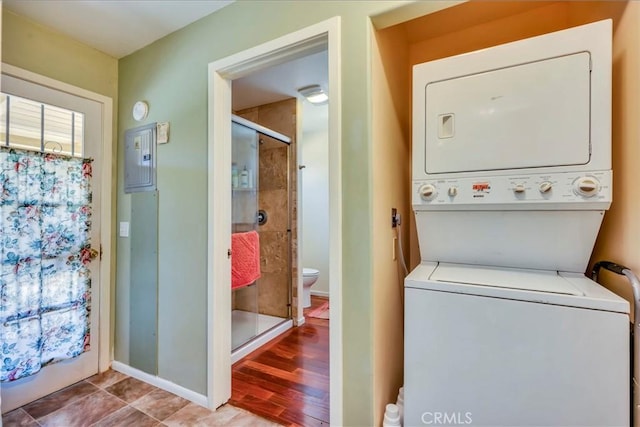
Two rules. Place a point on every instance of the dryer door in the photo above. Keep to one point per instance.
(528, 115)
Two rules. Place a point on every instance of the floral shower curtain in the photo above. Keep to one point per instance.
(44, 255)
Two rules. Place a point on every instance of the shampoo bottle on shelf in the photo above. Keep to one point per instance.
(244, 178)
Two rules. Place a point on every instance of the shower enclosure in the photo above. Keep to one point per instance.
(261, 202)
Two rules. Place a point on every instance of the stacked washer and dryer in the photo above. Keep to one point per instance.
(511, 180)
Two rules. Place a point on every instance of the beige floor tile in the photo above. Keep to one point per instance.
(160, 404)
(226, 415)
(107, 378)
(223, 416)
(243, 418)
(187, 416)
(83, 412)
(101, 401)
(130, 389)
(18, 418)
(127, 416)
(59, 399)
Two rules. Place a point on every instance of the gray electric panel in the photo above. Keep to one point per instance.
(140, 159)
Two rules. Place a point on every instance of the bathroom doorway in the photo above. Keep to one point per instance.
(223, 73)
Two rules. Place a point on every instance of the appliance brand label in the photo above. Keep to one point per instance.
(480, 189)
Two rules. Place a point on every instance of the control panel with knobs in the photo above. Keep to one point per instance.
(545, 187)
(587, 186)
(428, 192)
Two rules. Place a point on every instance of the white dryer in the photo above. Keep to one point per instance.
(511, 179)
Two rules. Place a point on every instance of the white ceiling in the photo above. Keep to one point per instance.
(115, 27)
(121, 27)
(281, 81)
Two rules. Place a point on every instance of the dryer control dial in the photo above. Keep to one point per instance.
(586, 186)
(545, 187)
(519, 189)
(428, 192)
(453, 191)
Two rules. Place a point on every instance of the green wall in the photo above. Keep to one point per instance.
(171, 74)
(41, 50)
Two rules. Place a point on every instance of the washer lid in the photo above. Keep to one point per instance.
(511, 278)
(536, 286)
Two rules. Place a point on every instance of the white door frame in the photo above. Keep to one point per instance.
(105, 348)
(311, 39)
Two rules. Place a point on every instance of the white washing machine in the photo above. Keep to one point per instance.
(513, 347)
(511, 179)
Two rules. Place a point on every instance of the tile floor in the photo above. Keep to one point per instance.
(113, 399)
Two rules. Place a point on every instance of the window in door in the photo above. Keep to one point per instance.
(31, 125)
(45, 250)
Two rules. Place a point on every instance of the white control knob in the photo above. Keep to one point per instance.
(453, 191)
(545, 187)
(518, 188)
(587, 186)
(427, 192)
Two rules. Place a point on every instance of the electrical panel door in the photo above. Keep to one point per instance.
(140, 159)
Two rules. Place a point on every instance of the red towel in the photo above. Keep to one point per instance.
(245, 259)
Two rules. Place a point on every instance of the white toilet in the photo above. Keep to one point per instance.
(309, 277)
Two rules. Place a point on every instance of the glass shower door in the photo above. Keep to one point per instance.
(244, 182)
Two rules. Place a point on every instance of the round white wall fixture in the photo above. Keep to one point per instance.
(140, 110)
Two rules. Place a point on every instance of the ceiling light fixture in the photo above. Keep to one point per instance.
(314, 94)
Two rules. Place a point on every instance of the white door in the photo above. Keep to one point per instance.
(87, 144)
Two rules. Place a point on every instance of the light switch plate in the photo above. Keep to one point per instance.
(163, 132)
(124, 229)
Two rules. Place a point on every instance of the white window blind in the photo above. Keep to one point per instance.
(31, 125)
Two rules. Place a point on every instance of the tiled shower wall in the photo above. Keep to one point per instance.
(279, 275)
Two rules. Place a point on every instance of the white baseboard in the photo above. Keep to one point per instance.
(301, 320)
(320, 294)
(161, 383)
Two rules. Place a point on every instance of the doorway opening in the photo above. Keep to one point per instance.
(314, 39)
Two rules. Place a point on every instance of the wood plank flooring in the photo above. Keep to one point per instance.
(287, 380)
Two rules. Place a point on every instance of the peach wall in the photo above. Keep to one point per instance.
(484, 32)
(391, 183)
